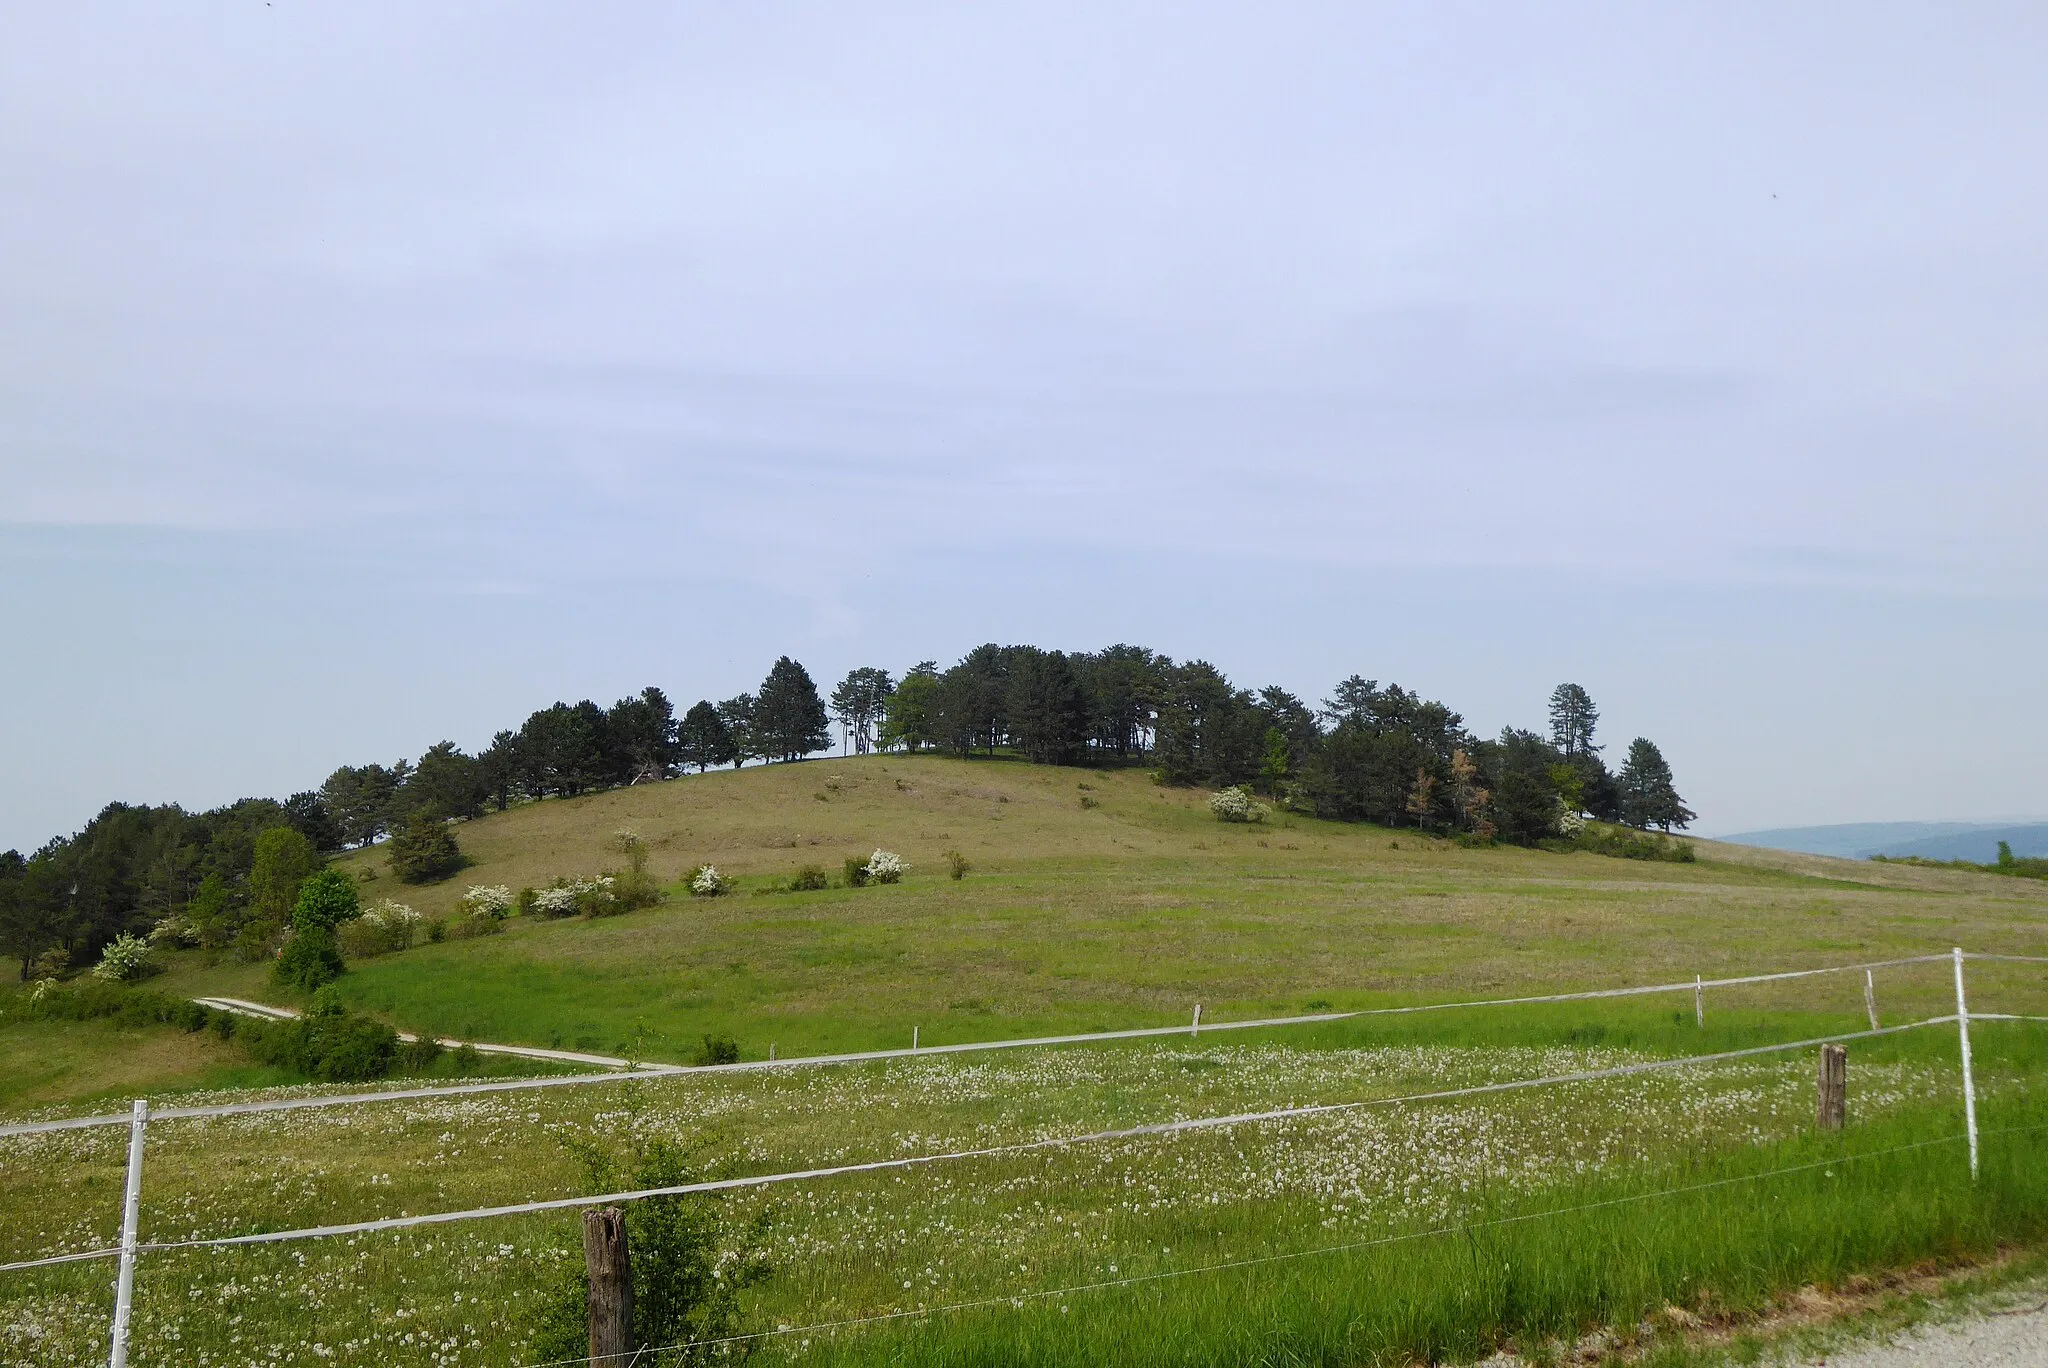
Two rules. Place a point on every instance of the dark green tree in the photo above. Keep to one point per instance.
(497, 770)
(739, 714)
(1525, 797)
(1572, 719)
(1125, 685)
(362, 800)
(971, 697)
(641, 732)
(1046, 709)
(446, 781)
(1649, 796)
(424, 850)
(702, 739)
(311, 819)
(789, 718)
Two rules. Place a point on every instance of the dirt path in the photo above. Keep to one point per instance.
(1987, 1339)
(261, 1009)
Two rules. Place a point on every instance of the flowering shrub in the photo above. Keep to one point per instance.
(567, 897)
(487, 900)
(176, 931)
(886, 866)
(1237, 805)
(707, 882)
(1570, 821)
(384, 927)
(126, 959)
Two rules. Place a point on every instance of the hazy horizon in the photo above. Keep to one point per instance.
(378, 375)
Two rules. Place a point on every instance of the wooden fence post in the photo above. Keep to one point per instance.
(611, 1288)
(1834, 1086)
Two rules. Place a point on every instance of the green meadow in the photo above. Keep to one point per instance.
(1380, 1232)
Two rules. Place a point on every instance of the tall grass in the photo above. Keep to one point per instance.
(1720, 1237)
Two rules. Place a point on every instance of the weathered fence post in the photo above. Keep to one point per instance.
(1834, 1087)
(131, 1217)
(1699, 1002)
(1870, 998)
(1196, 1029)
(1969, 1082)
(611, 1288)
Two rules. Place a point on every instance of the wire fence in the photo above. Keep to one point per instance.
(132, 1245)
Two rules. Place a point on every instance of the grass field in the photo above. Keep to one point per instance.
(1122, 912)
(1075, 918)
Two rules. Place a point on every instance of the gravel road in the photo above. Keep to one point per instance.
(1986, 1340)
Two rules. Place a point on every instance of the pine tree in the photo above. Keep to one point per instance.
(860, 703)
(1047, 711)
(739, 714)
(702, 739)
(1572, 719)
(790, 718)
(1649, 797)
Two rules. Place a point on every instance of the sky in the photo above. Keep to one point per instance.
(375, 374)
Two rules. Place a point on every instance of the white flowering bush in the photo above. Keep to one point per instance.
(1238, 805)
(886, 866)
(567, 897)
(487, 900)
(707, 882)
(384, 927)
(125, 960)
(1570, 821)
(175, 931)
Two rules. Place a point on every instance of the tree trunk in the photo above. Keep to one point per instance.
(611, 1288)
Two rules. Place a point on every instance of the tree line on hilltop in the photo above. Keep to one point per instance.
(1369, 752)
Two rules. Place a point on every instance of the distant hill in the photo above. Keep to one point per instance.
(1977, 841)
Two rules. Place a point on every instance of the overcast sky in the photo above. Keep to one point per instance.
(374, 374)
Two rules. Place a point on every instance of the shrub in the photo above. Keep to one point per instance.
(856, 872)
(635, 888)
(309, 960)
(125, 959)
(707, 882)
(383, 928)
(886, 867)
(567, 897)
(469, 928)
(956, 865)
(1237, 805)
(1625, 844)
(437, 930)
(176, 931)
(417, 1056)
(718, 1049)
(809, 879)
(424, 851)
(691, 1266)
(1570, 821)
(326, 899)
(487, 900)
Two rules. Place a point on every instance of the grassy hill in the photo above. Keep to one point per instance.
(1093, 900)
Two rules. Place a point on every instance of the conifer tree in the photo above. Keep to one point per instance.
(790, 721)
(703, 739)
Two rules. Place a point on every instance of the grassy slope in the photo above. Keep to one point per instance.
(1076, 918)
